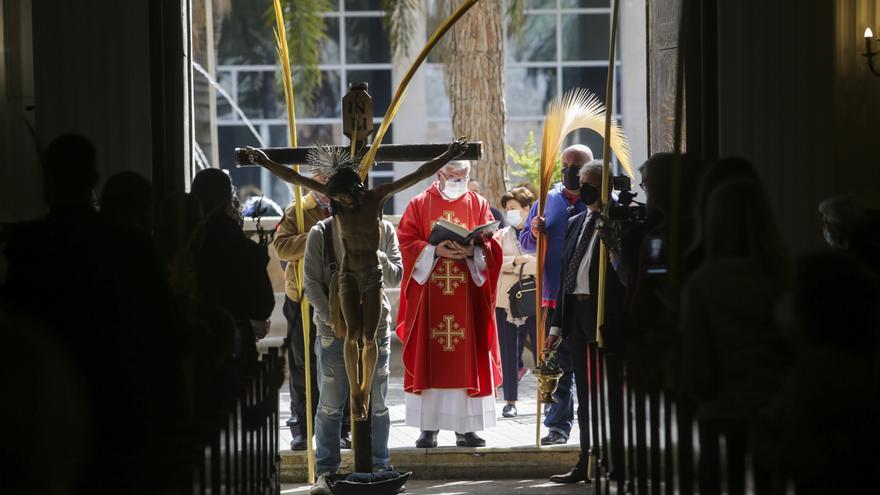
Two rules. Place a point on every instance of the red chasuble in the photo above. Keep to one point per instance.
(447, 325)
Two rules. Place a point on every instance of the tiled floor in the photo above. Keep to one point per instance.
(463, 487)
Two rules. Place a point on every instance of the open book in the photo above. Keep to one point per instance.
(444, 230)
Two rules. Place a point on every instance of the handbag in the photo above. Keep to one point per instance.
(521, 296)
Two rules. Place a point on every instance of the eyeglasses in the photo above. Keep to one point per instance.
(466, 178)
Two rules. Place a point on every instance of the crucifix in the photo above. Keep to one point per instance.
(357, 213)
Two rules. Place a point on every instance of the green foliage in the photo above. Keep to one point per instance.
(528, 161)
(305, 34)
(400, 19)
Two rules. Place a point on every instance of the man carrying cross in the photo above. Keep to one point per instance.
(446, 321)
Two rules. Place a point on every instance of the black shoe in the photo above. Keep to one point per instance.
(509, 411)
(554, 438)
(345, 442)
(298, 443)
(427, 440)
(469, 439)
(576, 475)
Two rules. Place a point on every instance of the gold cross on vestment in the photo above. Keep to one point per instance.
(450, 279)
(448, 332)
(449, 216)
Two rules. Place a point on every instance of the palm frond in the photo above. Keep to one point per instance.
(576, 109)
(327, 160)
(305, 35)
(516, 18)
(401, 17)
(370, 156)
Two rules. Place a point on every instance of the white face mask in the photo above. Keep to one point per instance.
(514, 217)
(455, 189)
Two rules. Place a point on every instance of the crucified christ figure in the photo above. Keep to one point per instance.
(358, 213)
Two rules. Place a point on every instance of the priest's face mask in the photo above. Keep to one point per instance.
(454, 182)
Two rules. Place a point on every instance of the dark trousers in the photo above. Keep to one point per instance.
(560, 415)
(511, 339)
(297, 363)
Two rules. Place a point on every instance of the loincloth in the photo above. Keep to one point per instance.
(361, 281)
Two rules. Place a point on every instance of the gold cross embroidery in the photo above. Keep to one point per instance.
(449, 215)
(449, 278)
(448, 333)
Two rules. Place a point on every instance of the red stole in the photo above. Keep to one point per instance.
(447, 325)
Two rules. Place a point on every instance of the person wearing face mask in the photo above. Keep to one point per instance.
(563, 202)
(512, 331)
(447, 308)
(574, 323)
(290, 244)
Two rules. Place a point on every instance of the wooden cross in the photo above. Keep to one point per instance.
(448, 333)
(357, 124)
(357, 121)
(448, 278)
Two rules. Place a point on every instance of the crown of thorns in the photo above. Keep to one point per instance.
(329, 160)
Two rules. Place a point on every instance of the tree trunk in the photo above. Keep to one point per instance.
(475, 82)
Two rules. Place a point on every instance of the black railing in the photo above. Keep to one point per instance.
(238, 453)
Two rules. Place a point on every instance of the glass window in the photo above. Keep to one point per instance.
(367, 41)
(244, 37)
(439, 132)
(540, 4)
(584, 4)
(589, 138)
(593, 79)
(435, 88)
(260, 95)
(585, 36)
(330, 45)
(536, 42)
(230, 137)
(224, 108)
(309, 135)
(380, 87)
(328, 101)
(528, 90)
(363, 4)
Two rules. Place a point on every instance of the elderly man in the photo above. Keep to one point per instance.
(574, 320)
(446, 321)
(563, 202)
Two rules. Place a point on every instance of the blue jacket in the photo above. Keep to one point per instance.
(556, 215)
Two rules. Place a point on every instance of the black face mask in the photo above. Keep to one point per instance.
(589, 194)
(571, 179)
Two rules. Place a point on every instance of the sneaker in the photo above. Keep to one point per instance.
(509, 411)
(321, 486)
(298, 443)
(554, 438)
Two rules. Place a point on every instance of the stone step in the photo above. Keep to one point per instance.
(456, 462)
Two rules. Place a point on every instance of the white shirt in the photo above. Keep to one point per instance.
(582, 283)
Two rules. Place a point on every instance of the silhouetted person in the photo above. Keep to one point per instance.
(731, 359)
(96, 288)
(848, 226)
(231, 269)
(822, 429)
(127, 201)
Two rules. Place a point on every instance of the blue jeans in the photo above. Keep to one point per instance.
(333, 397)
(560, 415)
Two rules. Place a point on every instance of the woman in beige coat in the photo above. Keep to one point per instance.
(512, 331)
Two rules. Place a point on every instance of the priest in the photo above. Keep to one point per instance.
(446, 321)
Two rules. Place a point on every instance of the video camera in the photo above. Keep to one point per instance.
(627, 209)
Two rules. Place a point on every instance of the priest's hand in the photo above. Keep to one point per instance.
(447, 249)
(466, 249)
(538, 226)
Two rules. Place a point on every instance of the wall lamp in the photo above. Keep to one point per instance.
(869, 50)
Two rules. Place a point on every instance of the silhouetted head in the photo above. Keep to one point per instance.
(127, 200)
(739, 224)
(345, 190)
(213, 188)
(658, 182)
(835, 300)
(70, 171)
(843, 217)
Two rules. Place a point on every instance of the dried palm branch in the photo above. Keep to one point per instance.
(576, 109)
(400, 21)
(370, 156)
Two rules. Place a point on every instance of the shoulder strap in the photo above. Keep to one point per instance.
(329, 252)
